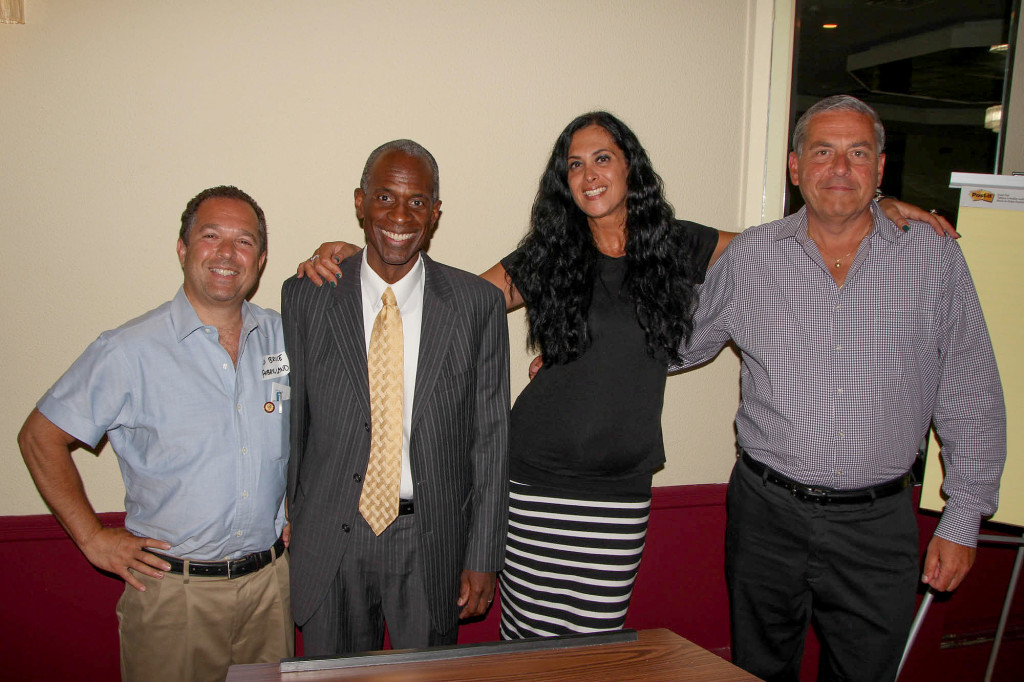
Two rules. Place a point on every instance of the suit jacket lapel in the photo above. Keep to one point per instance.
(345, 326)
(435, 332)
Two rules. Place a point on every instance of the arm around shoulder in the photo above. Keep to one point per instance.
(323, 265)
(711, 320)
(499, 278)
(724, 238)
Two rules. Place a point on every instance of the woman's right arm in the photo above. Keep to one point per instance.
(498, 278)
(723, 241)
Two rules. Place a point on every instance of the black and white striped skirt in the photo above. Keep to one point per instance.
(569, 563)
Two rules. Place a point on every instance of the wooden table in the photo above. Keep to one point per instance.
(656, 655)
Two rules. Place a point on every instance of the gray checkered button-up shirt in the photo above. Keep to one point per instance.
(840, 384)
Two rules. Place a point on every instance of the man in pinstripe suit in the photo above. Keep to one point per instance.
(436, 561)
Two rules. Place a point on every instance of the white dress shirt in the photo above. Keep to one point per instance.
(409, 295)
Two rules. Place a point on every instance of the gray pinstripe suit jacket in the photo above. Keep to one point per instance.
(458, 444)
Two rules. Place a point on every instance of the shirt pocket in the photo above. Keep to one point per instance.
(902, 337)
(273, 423)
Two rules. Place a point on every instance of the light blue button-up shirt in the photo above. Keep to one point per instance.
(202, 444)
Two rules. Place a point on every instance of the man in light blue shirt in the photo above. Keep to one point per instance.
(193, 397)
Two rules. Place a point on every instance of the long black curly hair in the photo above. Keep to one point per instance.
(555, 265)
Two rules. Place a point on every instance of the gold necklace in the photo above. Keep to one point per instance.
(840, 260)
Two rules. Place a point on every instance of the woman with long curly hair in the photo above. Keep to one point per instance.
(608, 277)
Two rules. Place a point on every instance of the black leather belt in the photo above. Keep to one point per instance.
(405, 507)
(807, 493)
(232, 568)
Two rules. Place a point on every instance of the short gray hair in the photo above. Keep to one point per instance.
(837, 103)
(413, 149)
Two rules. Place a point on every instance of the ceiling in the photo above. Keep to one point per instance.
(911, 59)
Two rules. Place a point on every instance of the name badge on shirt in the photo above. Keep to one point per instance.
(275, 365)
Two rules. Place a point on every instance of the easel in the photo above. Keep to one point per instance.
(1004, 615)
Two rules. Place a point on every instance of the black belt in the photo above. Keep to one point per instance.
(808, 493)
(232, 568)
(404, 507)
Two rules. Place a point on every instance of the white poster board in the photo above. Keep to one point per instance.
(991, 220)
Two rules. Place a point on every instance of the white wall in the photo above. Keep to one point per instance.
(115, 112)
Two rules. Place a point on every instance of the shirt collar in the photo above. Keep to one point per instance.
(404, 289)
(185, 320)
(884, 227)
(797, 229)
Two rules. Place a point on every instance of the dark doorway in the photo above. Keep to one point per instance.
(931, 68)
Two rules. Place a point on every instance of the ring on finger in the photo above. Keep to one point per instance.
(312, 259)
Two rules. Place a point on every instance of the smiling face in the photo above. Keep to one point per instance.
(397, 213)
(597, 176)
(838, 168)
(222, 260)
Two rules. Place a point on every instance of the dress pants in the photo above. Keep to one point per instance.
(195, 628)
(380, 580)
(851, 569)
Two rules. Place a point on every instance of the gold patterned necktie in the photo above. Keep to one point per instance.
(385, 367)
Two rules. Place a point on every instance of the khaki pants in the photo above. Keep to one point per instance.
(192, 629)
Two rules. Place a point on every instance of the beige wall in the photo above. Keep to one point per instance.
(114, 112)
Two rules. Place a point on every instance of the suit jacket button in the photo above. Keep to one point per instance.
(345, 527)
(366, 426)
(357, 478)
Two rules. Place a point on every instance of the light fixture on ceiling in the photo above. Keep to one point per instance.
(12, 11)
(999, 49)
(830, 26)
(994, 117)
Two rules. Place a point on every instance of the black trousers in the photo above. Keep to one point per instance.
(380, 579)
(851, 570)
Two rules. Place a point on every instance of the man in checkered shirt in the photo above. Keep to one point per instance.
(856, 334)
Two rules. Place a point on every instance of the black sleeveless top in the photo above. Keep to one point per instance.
(593, 425)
